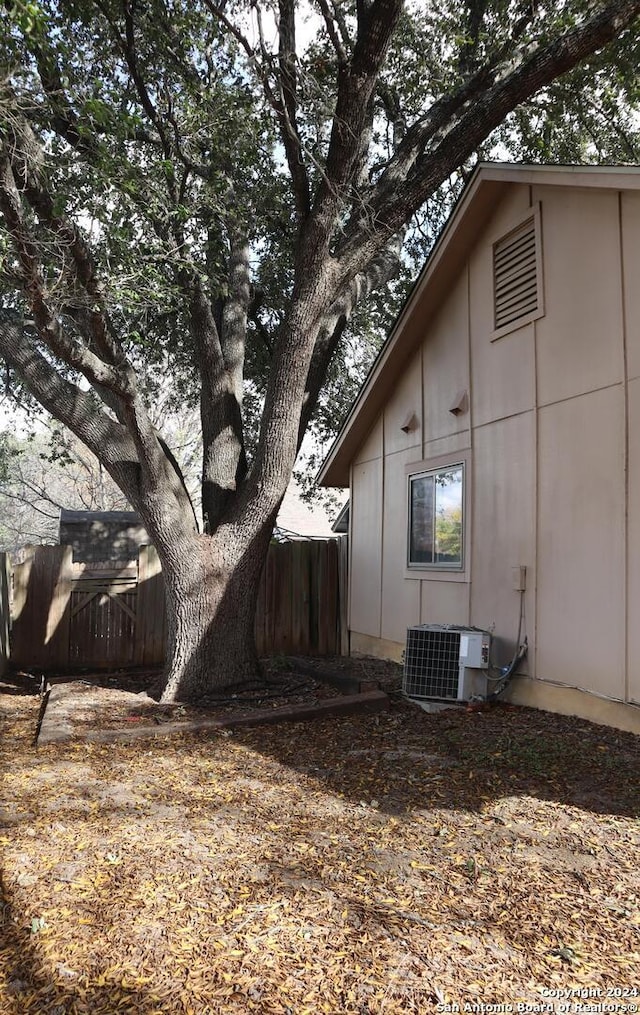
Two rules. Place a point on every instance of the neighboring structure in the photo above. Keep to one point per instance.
(299, 519)
(499, 430)
(102, 535)
(116, 535)
(341, 523)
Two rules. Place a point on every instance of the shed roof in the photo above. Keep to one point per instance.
(471, 213)
(83, 517)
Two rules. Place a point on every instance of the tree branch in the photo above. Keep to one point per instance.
(130, 54)
(72, 352)
(25, 154)
(282, 105)
(454, 135)
(65, 121)
(476, 10)
(287, 111)
(336, 40)
(263, 332)
(382, 269)
(78, 411)
(356, 85)
(23, 499)
(221, 361)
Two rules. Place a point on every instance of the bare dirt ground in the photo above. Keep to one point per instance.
(369, 864)
(123, 704)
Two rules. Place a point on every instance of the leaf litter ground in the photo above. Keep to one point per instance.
(369, 864)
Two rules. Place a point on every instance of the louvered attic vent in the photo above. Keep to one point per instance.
(515, 276)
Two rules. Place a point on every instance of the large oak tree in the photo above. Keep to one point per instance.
(187, 192)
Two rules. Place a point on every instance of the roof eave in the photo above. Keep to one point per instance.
(475, 205)
(392, 356)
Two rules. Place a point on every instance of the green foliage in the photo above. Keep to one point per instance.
(38, 925)
(449, 533)
(160, 143)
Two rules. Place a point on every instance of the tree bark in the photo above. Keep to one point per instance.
(335, 245)
(211, 590)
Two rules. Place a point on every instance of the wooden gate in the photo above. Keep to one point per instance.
(103, 615)
(73, 615)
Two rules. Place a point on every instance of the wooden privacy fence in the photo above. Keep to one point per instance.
(302, 603)
(67, 614)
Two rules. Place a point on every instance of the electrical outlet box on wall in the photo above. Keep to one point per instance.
(519, 577)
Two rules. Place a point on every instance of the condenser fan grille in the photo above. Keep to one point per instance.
(432, 664)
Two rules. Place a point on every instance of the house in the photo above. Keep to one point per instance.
(299, 519)
(493, 453)
(341, 523)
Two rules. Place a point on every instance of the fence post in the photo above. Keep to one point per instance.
(59, 622)
(326, 596)
(343, 592)
(282, 594)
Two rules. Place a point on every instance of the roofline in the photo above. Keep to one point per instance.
(340, 517)
(70, 516)
(465, 216)
(618, 176)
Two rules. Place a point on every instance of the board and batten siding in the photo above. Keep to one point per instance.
(553, 434)
(630, 254)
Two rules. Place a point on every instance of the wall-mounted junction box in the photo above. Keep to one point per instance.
(519, 577)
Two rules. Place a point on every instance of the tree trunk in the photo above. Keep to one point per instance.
(211, 595)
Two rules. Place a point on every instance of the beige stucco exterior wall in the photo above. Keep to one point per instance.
(446, 356)
(503, 372)
(366, 547)
(553, 437)
(633, 541)
(503, 535)
(580, 587)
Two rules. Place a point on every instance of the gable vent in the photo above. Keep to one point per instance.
(515, 275)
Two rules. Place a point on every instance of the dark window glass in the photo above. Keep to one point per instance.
(435, 518)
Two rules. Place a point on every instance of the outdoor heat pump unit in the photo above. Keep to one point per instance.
(446, 662)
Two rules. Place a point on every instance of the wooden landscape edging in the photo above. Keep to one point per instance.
(69, 615)
(365, 702)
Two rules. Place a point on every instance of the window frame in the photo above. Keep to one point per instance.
(418, 470)
(534, 214)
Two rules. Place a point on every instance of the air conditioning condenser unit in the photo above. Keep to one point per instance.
(446, 662)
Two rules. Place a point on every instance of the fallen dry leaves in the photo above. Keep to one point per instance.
(366, 865)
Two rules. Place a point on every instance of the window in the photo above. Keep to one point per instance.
(436, 500)
(517, 276)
